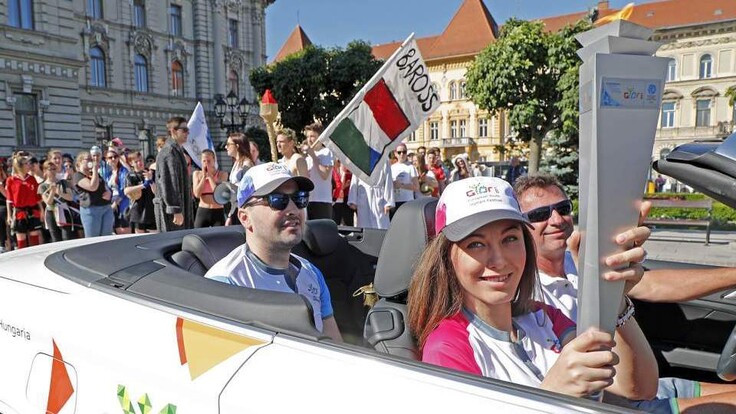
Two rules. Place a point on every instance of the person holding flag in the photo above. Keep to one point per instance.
(393, 104)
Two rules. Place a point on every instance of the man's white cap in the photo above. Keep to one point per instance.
(469, 204)
(263, 179)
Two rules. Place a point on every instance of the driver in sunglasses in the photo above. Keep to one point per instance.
(272, 206)
(543, 201)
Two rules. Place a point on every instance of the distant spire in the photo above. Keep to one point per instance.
(297, 40)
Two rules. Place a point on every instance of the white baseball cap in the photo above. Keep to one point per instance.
(263, 179)
(470, 204)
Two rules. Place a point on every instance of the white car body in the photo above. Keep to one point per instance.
(70, 348)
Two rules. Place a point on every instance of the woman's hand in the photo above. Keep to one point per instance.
(585, 366)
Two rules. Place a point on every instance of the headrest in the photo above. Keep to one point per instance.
(209, 248)
(321, 236)
(411, 229)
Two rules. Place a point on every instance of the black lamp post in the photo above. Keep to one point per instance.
(233, 114)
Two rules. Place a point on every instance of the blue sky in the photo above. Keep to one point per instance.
(336, 22)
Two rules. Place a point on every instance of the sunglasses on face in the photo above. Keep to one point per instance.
(279, 201)
(563, 208)
(401, 152)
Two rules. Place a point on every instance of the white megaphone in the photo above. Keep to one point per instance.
(226, 193)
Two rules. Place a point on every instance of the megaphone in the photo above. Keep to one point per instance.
(226, 193)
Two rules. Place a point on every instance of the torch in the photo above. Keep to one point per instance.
(269, 113)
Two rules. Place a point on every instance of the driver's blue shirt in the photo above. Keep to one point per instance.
(243, 268)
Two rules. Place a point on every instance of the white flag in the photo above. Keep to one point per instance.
(199, 136)
(392, 105)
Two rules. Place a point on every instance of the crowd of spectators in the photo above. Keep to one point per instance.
(114, 190)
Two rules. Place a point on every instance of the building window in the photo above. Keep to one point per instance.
(463, 130)
(668, 115)
(453, 91)
(234, 81)
(462, 90)
(26, 119)
(97, 71)
(141, 73)
(672, 70)
(453, 129)
(483, 127)
(175, 20)
(706, 66)
(434, 130)
(412, 136)
(177, 78)
(94, 9)
(139, 13)
(232, 30)
(702, 108)
(20, 13)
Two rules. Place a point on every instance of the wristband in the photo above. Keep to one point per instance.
(627, 314)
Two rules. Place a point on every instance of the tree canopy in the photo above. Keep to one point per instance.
(528, 74)
(316, 83)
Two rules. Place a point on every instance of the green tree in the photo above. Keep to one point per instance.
(562, 143)
(514, 75)
(731, 95)
(316, 83)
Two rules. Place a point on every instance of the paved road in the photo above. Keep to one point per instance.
(689, 246)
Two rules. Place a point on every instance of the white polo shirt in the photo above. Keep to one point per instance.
(561, 292)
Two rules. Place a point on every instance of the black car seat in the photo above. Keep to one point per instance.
(200, 251)
(345, 269)
(386, 328)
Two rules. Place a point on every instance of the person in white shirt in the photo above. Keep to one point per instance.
(319, 164)
(271, 206)
(543, 200)
(406, 179)
(372, 203)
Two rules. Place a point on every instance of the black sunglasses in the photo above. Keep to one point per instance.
(563, 208)
(279, 201)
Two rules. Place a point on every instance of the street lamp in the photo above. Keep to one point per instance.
(233, 114)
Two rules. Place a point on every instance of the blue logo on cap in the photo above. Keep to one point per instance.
(245, 189)
(652, 89)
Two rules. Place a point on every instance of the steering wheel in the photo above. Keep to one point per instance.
(726, 368)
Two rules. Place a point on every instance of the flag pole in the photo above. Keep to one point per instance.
(361, 93)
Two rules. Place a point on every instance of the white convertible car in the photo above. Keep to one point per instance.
(129, 324)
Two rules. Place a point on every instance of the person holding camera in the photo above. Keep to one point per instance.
(115, 177)
(56, 193)
(95, 206)
(140, 189)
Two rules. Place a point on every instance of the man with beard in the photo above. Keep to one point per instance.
(271, 209)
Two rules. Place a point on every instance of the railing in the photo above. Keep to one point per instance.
(720, 130)
(459, 141)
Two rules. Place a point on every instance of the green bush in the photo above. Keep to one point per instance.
(724, 217)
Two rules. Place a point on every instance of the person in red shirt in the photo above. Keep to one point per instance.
(24, 202)
(341, 178)
(435, 167)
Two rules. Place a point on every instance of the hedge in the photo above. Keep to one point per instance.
(724, 217)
